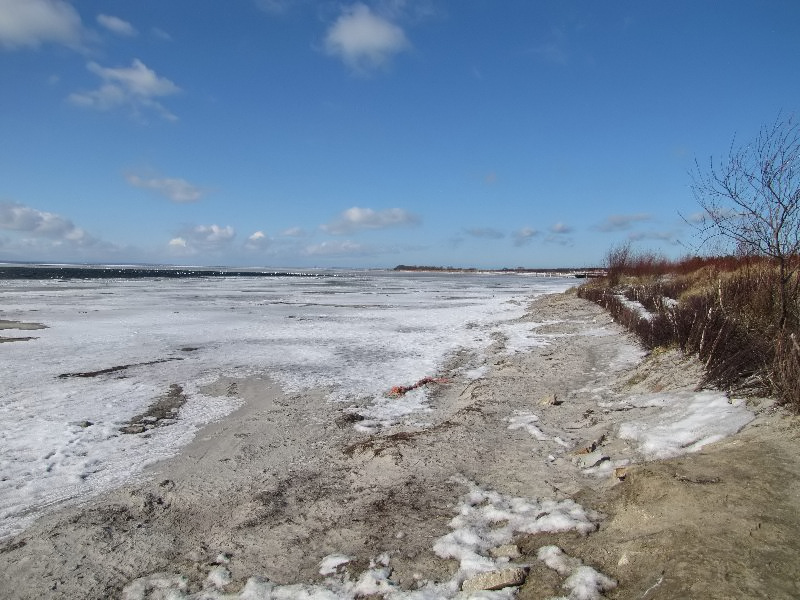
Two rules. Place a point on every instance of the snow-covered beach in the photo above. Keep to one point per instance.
(290, 469)
(111, 347)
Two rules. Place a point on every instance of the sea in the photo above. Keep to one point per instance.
(116, 339)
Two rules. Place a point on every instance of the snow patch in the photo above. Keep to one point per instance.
(686, 422)
(486, 519)
(583, 582)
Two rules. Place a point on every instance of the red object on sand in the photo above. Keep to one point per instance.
(400, 390)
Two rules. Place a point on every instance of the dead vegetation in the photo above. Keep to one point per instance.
(728, 311)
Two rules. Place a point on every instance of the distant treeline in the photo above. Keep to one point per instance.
(79, 272)
(503, 270)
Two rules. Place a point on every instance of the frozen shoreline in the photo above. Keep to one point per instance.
(109, 350)
(284, 483)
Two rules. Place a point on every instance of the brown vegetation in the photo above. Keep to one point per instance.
(729, 311)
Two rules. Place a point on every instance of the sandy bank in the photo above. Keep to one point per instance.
(286, 481)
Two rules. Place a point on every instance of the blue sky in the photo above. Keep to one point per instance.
(288, 133)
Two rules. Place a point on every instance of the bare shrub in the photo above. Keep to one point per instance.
(751, 200)
(786, 369)
(616, 261)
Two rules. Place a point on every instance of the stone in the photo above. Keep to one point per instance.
(550, 400)
(505, 551)
(495, 580)
(592, 459)
(133, 429)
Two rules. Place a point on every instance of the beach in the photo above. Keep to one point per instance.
(580, 463)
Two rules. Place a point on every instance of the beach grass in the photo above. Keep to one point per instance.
(726, 310)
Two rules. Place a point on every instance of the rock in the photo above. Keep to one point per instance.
(587, 461)
(348, 419)
(84, 424)
(550, 400)
(133, 429)
(505, 551)
(621, 473)
(495, 580)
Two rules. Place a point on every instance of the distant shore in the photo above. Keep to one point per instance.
(566, 271)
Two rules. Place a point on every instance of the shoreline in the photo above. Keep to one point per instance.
(285, 481)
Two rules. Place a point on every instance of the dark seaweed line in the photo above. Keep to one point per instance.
(117, 368)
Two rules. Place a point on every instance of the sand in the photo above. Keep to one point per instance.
(19, 325)
(287, 480)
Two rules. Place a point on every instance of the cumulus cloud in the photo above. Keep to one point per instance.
(363, 39)
(356, 219)
(34, 234)
(485, 232)
(202, 238)
(560, 228)
(257, 241)
(136, 86)
(622, 222)
(524, 236)
(37, 223)
(32, 23)
(177, 190)
(117, 25)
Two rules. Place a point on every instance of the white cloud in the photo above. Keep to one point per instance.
(622, 222)
(202, 238)
(35, 234)
(136, 86)
(364, 40)
(661, 236)
(697, 218)
(338, 248)
(293, 232)
(356, 219)
(258, 241)
(117, 25)
(524, 236)
(18, 217)
(177, 190)
(561, 228)
(34, 22)
(161, 34)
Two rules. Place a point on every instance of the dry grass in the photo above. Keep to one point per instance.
(725, 310)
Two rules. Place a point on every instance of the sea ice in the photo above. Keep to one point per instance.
(112, 347)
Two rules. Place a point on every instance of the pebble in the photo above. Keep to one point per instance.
(505, 551)
(495, 580)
